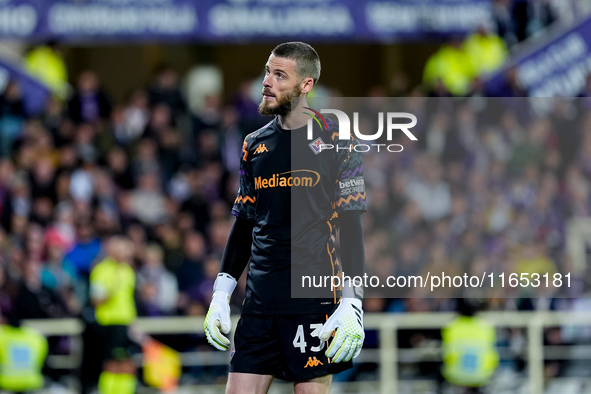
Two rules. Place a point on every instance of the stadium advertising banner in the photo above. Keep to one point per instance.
(35, 93)
(235, 20)
(19, 18)
(559, 68)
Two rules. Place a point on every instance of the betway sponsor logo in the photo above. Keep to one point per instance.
(352, 186)
(298, 178)
(352, 182)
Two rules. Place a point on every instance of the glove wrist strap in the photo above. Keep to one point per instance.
(224, 282)
(352, 291)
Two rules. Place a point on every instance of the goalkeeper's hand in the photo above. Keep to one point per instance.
(217, 321)
(347, 319)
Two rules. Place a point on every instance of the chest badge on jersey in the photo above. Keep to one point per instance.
(317, 145)
(260, 149)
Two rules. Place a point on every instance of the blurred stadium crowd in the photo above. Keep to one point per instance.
(87, 170)
(489, 186)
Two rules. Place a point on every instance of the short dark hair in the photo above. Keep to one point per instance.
(306, 58)
(468, 306)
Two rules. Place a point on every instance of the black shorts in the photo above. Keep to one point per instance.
(114, 342)
(285, 346)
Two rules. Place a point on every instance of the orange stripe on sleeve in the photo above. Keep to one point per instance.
(244, 199)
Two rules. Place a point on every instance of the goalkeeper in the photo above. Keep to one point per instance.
(293, 196)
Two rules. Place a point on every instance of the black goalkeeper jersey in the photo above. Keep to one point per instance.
(293, 190)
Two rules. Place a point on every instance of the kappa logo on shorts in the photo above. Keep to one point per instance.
(313, 362)
(260, 149)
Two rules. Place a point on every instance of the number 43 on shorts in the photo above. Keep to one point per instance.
(299, 341)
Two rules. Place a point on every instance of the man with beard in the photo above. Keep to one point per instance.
(293, 195)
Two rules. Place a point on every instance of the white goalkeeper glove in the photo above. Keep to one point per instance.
(347, 319)
(218, 320)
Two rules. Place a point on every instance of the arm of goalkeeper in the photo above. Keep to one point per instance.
(347, 319)
(217, 321)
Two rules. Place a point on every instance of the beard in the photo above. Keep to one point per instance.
(284, 103)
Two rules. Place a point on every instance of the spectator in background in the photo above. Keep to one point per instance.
(246, 105)
(408, 261)
(46, 63)
(469, 354)
(7, 172)
(14, 268)
(136, 117)
(5, 293)
(190, 272)
(22, 354)
(118, 165)
(166, 90)
(439, 263)
(210, 115)
(62, 232)
(486, 50)
(12, 117)
(456, 68)
(42, 211)
(148, 200)
(169, 237)
(158, 288)
(477, 88)
(160, 120)
(503, 20)
(452, 66)
(170, 152)
(35, 301)
(532, 258)
(499, 216)
(196, 204)
(83, 179)
(200, 296)
(35, 242)
(42, 179)
(84, 253)
(514, 86)
(89, 103)
(55, 275)
(232, 140)
(409, 220)
(430, 192)
(531, 16)
(146, 159)
(532, 150)
(112, 287)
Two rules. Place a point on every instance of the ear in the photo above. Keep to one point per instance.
(306, 85)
